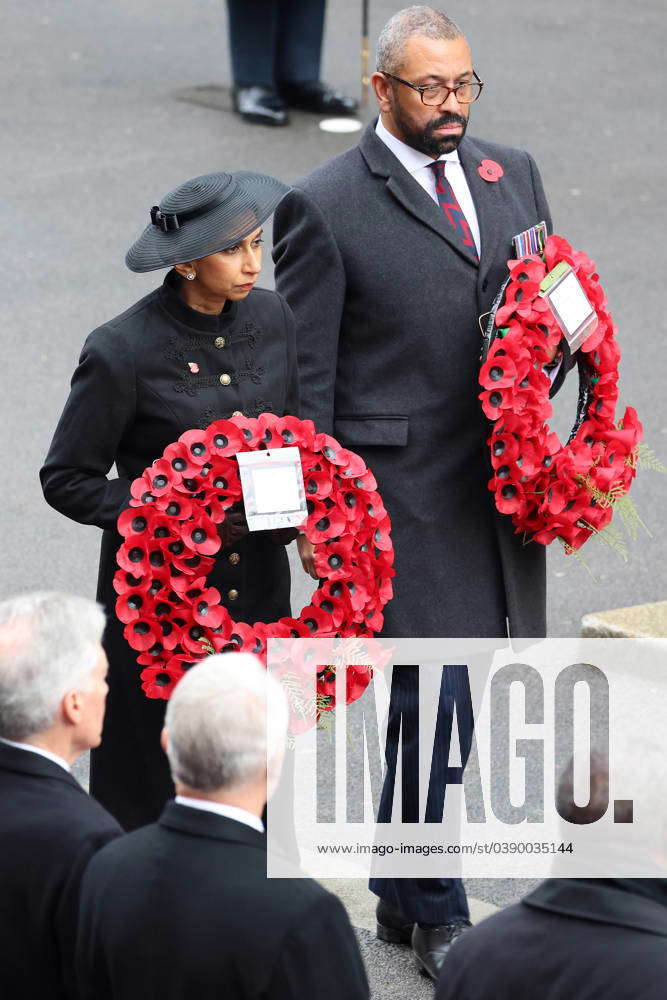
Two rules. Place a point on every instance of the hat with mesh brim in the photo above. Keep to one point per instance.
(203, 216)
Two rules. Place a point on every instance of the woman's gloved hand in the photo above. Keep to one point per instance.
(232, 528)
(283, 536)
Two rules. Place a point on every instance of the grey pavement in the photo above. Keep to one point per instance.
(103, 112)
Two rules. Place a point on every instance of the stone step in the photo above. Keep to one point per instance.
(637, 622)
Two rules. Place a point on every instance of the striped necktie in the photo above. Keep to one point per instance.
(450, 206)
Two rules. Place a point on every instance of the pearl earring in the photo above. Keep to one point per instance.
(191, 276)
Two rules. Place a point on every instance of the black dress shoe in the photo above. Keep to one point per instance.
(431, 944)
(317, 96)
(392, 925)
(260, 105)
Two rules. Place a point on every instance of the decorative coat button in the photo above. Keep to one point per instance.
(237, 413)
(232, 594)
(234, 558)
(220, 341)
(225, 379)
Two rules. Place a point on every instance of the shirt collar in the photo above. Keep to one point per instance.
(411, 158)
(222, 809)
(39, 750)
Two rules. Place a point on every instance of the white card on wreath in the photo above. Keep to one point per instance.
(273, 492)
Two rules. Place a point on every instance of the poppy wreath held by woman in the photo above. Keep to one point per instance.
(170, 531)
(554, 490)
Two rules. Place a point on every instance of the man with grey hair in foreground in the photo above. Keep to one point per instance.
(183, 907)
(52, 696)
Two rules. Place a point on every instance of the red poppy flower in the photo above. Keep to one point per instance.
(133, 604)
(140, 491)
(333, 560)
(201, 535)
(143, 633)
(135, 521)
(250, 430)
(244, 639)
(318, 484)
(197, 446)
(333, 599)
(224, 439)
(207, 610)
(490, 171)
(159, 682)
(325, 522)
(133, 555)
(181, 461)
(295, 432)
(317, 620)
(331, 450)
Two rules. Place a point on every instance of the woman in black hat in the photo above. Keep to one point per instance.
(205, 345)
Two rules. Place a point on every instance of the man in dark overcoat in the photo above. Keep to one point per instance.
(52, 696)
(388, 256)
(183, 907)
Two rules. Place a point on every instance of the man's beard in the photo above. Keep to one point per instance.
(425, 139)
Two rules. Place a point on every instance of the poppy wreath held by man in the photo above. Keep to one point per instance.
(554, 490)
(170, 531)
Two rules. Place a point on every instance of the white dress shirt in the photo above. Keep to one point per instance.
(39, 750)
(222, 809)
(419, 166)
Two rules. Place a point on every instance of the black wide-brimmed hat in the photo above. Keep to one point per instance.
(203, 216)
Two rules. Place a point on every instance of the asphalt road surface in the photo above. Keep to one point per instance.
(107, 106)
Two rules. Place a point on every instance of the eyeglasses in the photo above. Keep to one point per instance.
(438, 93)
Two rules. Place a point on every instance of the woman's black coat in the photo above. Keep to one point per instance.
(144, 378)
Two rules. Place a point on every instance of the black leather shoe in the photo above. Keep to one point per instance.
(317, 96)
(260, 105)
(392, 925)
(431, 944)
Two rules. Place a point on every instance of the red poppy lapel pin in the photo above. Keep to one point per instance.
(490, 171)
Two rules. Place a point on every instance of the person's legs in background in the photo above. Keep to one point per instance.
(276, 51)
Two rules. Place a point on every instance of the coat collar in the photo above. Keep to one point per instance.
(34, 765)
(201, 823)
(601, 900)
(488, 198)
(179, 310)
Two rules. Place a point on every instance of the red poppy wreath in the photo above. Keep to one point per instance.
(172, 618)
(554, 490)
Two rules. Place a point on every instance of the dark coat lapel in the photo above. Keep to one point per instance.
(405, 189)
(489, 203)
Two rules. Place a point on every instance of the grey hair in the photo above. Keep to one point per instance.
(217, 721)
(49, 645)
(417, 20)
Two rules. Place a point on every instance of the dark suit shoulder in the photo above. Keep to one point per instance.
(505, 155)
(263, 306)
(54, 812)
(323, 184)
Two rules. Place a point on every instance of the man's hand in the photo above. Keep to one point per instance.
(307, 553)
